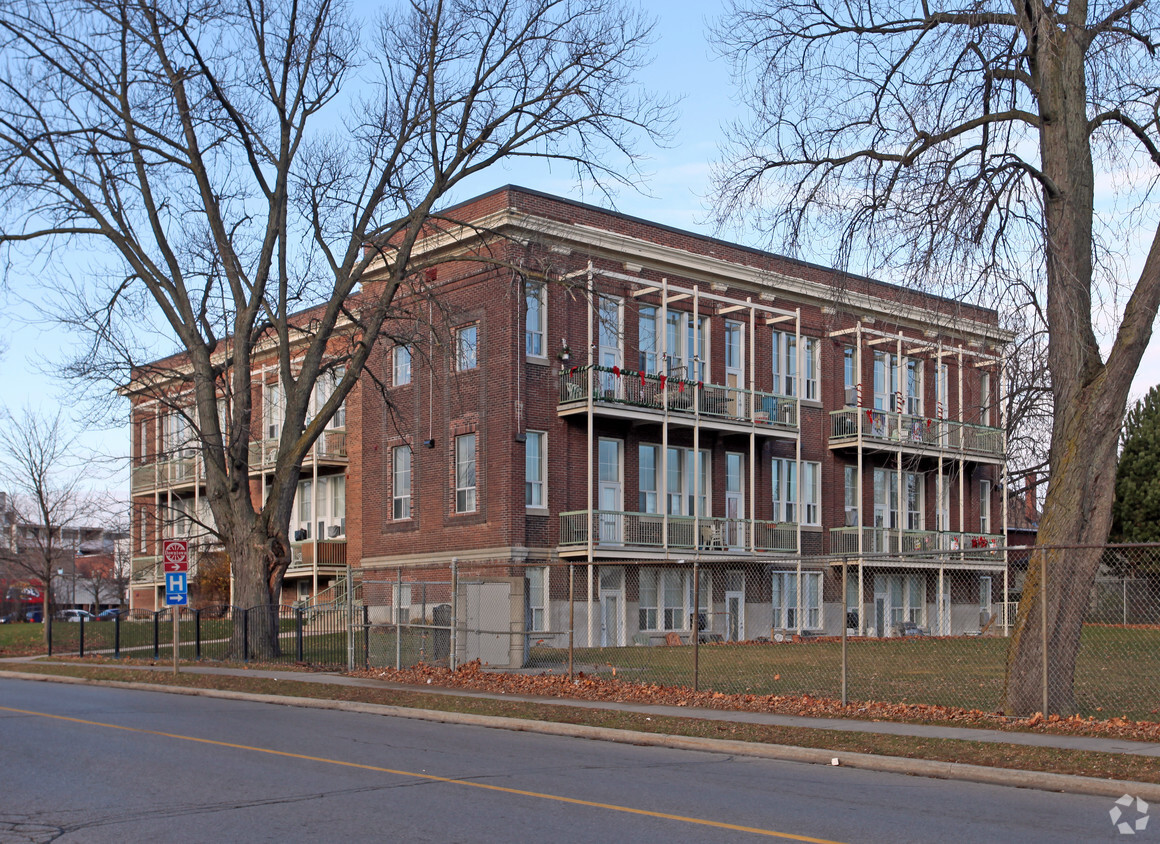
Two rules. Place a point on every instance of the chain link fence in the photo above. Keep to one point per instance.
(923, 626)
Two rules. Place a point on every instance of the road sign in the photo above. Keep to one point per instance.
(176, 581)
(176, 599)
(176, 553)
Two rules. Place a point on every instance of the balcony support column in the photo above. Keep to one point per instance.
(591, 443)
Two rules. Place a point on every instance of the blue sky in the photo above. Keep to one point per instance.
(675, 196)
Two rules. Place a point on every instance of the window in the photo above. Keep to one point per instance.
(811, 493)
(537, 585)
(305, 509)
(648, 471)
(850, 495)
(784, 490)
(323, 389)
(985, 399)
(666, 598)
(467, 347)
(985, 595)
(784, 363)
(885, 499)
(849, 376)
(914, 387)
(687, 348)
(681, 493)
(810, 368)
(906, 594)
(272, 410)
(465, 473)
(984, 506)
(648, 599)
(337, 526)
(401, 365)
(913, 485)
(942, 388)
(647, 340)
(786, 615)
(885, 381)
(401, 482)
(534, 324)
(734, 347)
(534, 461)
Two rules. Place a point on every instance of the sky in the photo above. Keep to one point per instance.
(675, 194)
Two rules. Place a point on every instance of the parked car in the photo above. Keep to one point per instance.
(111, 614)
(34, 615)
(77, 615)
(8, 619)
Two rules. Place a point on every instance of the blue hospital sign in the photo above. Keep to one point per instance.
(176, 584)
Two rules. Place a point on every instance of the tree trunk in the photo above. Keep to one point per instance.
(256, 594)
(1077, 513)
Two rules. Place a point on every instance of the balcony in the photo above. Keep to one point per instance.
(329, 448)
(644, 534)
(147, 570)
(634, 395)
(981, 546)
(167, 473)
(880, 429)
(331, 555)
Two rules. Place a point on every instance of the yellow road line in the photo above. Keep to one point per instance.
(432, 778)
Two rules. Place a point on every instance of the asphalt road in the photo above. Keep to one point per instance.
(89, 764)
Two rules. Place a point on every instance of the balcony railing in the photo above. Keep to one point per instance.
(876, 540)
(330, 446)
(880, 426)
(659, 393)
(166, 472)
(331, 553)
(618, 529)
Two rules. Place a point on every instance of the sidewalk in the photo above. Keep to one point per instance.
(1085, 743)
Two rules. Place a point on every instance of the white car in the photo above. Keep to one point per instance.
(77, 615)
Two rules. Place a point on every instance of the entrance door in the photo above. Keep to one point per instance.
(610, 622)
(611, 492)
(881, 605)
(735, 616)
(735, 368)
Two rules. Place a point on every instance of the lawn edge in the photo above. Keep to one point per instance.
(1039, 780)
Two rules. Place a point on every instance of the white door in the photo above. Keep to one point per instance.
(735, 368)
(610, 620)
(609, 335)
(881, 606)
(735, 616)
(611, 492)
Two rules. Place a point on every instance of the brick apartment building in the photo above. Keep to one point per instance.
(598, 389)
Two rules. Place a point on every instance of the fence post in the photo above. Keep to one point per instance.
(845, 622)
(696, 623)
(366, 636)
(298, 634)
(398, 616)
(245, 635)
(453, 657)
(117, 636)
(197, 635)
(349, 620)
(48, 628)
(571, 614)
(1125, 600)
(1043, 623)
(157, 634)
(81, 649)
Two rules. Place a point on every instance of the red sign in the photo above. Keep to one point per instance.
(176, 553)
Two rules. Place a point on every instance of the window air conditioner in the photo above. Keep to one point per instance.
(333, 531)
(300, 535)
(851, 397)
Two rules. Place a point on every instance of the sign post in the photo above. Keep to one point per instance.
(176, 552)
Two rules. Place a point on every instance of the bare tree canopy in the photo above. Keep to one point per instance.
(237, 160)
(961, 142)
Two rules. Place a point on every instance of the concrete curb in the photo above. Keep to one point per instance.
(1042, 781)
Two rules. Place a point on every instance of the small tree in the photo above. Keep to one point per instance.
(1136, 512)
(41, 467)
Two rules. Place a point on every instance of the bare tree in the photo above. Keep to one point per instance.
(249, 166)
(42, 469)
(960, 142)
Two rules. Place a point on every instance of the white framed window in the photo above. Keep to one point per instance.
(305, 510)
(687, 346)
(337, 526)
(401, 482)
(649, 477)
(885, 381)
(465, 473)
(681, 492)
(811, 493)
(666, 598)
(914, 369)
(537, 597)
(787, 614)
(849, 376)
(272, 413)
(535, 461)
(914, 488)
(467, 347)
(647, 339)
(810, 366)
(784, 363)
(323, 389)
(535, 297)
(784, 474)
(984, 506)
(885, 499)
(985, 595)
(985, 399)
(850, 495)
(401, 365)
(906, 594)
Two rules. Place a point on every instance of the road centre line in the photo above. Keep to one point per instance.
(433, 778)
